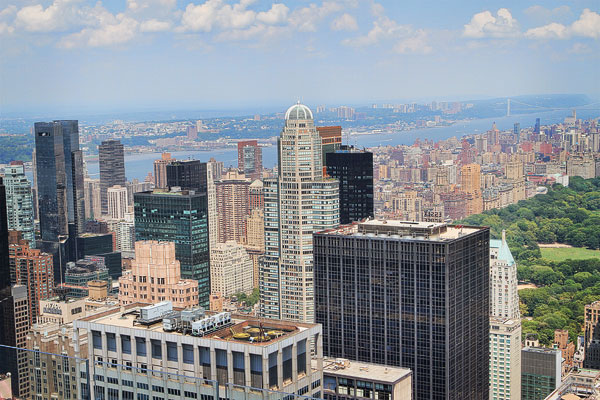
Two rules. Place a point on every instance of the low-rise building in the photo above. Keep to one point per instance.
(344, 379)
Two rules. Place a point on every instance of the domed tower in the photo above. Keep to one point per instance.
(297, 203)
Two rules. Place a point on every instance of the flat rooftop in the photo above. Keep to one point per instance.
(240, 324)
(365, 371)
(408, 230)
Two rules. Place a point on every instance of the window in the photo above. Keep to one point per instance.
(143, 386)
(111, 342)
(188, 354)
(174, 392)
(97, 339)
(156, 349)
(171, 351)
(126, 344)
(140, 346)
(158, 389)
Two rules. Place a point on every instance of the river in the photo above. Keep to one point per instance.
(138, 165)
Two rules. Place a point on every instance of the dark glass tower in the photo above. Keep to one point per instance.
(354, 169)
(112, 169)
(182, 218)
(408, 294)
(188, 175)
(90, 244)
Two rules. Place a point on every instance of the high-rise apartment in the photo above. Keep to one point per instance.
(505, 323)
(331, 139)
(409, 294)
(298, 202)
(93, 207)
(592, 335)
(353, 168)
(32, 269)
(255, 240)
(112, 169)
(160, 170)
(470, 180)
(231, 269)
(117, 202)
(19, 201)
(155, 276)
(180, 217)
(250, 158)
(256, 195)
(232, 206)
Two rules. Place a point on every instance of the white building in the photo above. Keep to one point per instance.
(242, 358)
(231, 269)
(505, 324)
(117, 202)
(19, 202)
(298, 202)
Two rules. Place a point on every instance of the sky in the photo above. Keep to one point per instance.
(137, 55)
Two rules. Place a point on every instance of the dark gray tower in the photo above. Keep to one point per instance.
(408, 294)
(112, 169)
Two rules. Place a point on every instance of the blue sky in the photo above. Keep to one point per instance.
(92, 56)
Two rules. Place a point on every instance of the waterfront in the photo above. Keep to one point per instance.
(139, 165)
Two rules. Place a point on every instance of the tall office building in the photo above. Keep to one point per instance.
(298, 202)
(180, 217)
(160, 170)
(256, 195)
(187, 175)
(504, 296)
(250, 158)
(117, 202)
(60, 185)
(93, 205)
(32, 269)
(470, 180)
(537, 128)
(211, 201)
(112, 169)
(233, 206)
(19, 201)
(155, 276)
(540, 372)
(103, 246)
(354, 169)
(406, 294)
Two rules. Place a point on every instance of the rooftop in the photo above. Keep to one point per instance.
(406, 230)
(274, 329)
(373, 372)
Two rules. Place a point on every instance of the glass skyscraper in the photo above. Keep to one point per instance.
(179, 217)
(408, 294)
(354, 169)
(298, 202)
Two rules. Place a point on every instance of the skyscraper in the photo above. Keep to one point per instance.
(331, 139)
(409, 294)
(250, 158)
(233, 206)
(540, 372)
(160, 170)
(112, 169)
(117, 201)
(354, 170)
(298, 202)
(19, 201)
(187, 175)
(180, 217)
(231, 269)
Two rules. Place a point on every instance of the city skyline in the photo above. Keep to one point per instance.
(216, 54)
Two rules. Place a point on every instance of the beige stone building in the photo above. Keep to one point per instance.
(155, 276)
(231, 269)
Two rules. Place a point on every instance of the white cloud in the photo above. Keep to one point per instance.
(543, 14)
(344, 22)
(58, 16)
(383, 28)
(200, 17)
(276, 15)
(154, 25)
(416, 43)
(588, 25)
(551, 31)
(306, 19)
(485, 24)
(121, 30)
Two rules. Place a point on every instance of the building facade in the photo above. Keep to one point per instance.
(19, 201)
(354, 170)
(231, 269)
(505, 359)
(592, 335)
(179, 217)
(298, 202)
(117, 202)
(540, 372)
(224, 364)
(232, 206)
(160, 170)
(405, 294)
(155, 276)
(250, 158)
(112, 169)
